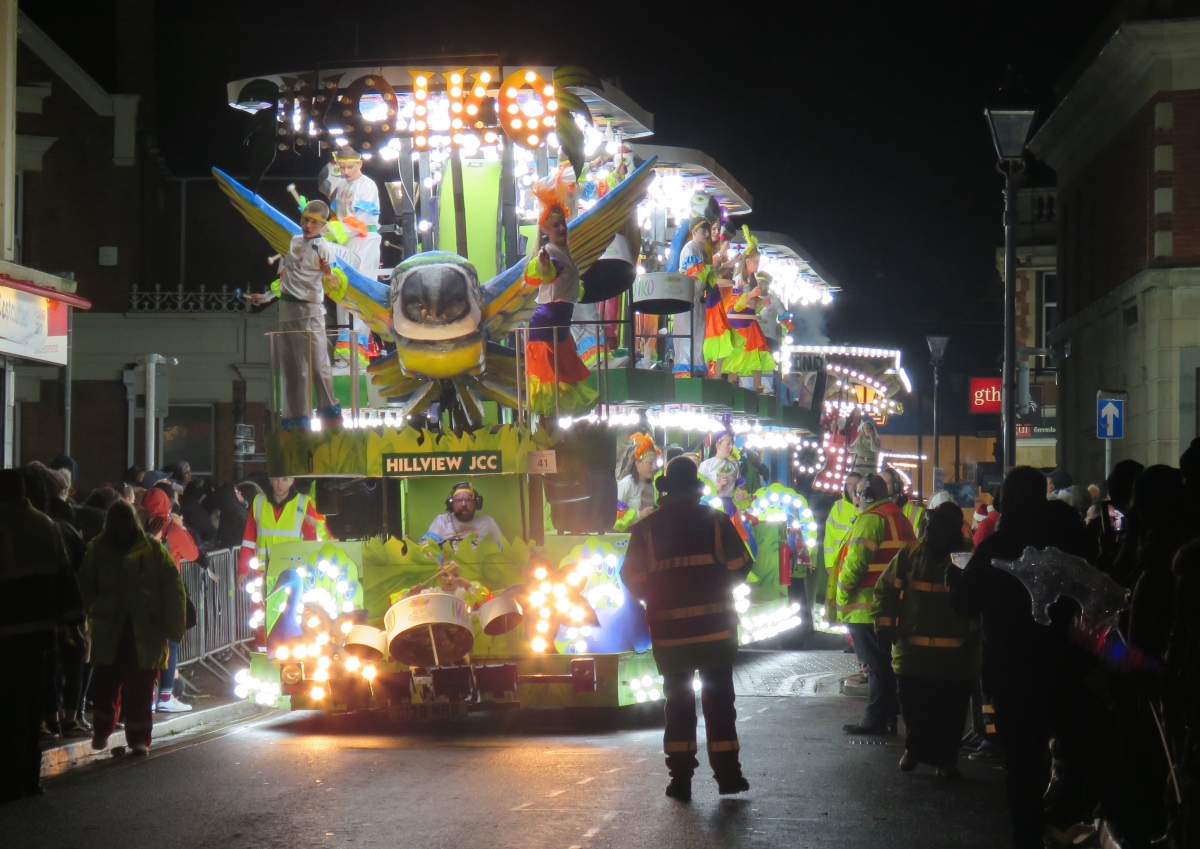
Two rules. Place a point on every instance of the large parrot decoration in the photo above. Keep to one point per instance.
(446, 326)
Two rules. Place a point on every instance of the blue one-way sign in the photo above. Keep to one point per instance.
(1110, 418)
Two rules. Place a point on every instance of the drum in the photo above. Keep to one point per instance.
(611, 274)
(500, 615)
(431, 629)
(663, 293)
(366, 643)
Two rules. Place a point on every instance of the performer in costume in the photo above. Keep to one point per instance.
(694, 262)
(721, 470)
(720, 342)
(551, 268)
(354, 199)
(755, 357)
(635, 486)
(449, 581)
(303, 350)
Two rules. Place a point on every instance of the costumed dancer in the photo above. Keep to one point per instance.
(722, 473)
(552, 270)
(694, 262)
(354, 199)
(635, 485)
(304, 353)
(755, 358)
(449, 581)
(720, 342)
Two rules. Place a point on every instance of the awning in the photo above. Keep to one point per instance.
(44, 292)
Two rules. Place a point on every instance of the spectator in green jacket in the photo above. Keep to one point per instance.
(135, 603)
(936, 653)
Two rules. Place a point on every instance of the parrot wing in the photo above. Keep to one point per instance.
(367, 299)
(509, 301)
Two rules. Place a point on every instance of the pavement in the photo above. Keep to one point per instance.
(552, 780)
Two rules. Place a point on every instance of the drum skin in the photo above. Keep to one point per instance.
(412, 621)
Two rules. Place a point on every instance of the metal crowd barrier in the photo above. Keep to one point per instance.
(222, 627)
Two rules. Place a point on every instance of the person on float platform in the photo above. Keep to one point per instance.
(354, 199)
(693, 261)
(283, 515)
(721, 471)
(635, 487)
(552, 270)
(451, 582)
(755, 358)
(304, 352)
(462, 517)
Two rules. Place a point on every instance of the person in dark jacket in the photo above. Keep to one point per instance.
(38, 597)
(684, 561)
(197, 518)
(1034, 674)
(936, 653)
(229, 510)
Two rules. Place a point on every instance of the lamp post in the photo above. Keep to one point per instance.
(1010, 132)
(937, 350)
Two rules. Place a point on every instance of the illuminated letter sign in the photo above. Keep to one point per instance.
(984, 395)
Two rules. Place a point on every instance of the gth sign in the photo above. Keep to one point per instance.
(984, 395)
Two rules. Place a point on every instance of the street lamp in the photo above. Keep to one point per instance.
(937, 348)
(1010, 132)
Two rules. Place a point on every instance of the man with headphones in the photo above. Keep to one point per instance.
(462, 517)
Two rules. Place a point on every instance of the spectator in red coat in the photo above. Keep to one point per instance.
(161, 523)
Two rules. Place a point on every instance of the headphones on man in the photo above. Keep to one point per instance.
(458, 487)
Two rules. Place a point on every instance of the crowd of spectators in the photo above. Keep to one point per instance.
(1097, 720)
(92, 602)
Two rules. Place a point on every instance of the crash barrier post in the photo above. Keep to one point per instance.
(222, 631)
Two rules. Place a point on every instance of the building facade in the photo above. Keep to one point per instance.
(1123, 141)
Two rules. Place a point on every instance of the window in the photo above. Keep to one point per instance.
(1049, 309)
(188, 435)
(1129, 315)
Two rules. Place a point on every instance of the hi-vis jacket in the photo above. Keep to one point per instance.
(913, 600)
(267, 525)
(837, 528)
(876, 537)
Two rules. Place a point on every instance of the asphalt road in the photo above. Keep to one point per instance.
(306, 780)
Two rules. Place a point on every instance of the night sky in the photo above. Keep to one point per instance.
(857, 127)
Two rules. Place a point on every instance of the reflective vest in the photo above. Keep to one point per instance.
(877, 536)
(837, 527)
(914, 512)
(289, 527)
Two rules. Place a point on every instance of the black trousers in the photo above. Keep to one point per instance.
(935, 713)
(720, 721)
(21, 663)
(875, 652)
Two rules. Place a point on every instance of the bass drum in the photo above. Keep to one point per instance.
(500, 615)
(431, 629)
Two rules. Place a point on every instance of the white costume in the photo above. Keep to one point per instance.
(712, 468)
(303, 348)
(635, 496)
(447, 526)
(357, 199)
(689, 353)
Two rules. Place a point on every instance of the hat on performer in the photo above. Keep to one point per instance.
(347, 154)
(698, 221)
(556, 194)
(316, 209)
(751, 243)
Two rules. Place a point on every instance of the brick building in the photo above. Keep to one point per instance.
(1124, 142)
(96, 203)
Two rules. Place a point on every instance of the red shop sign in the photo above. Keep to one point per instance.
(984, 396)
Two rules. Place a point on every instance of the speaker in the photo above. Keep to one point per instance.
(583, 494)
(352, 510)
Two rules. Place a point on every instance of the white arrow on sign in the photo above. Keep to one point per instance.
(1109, 414)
